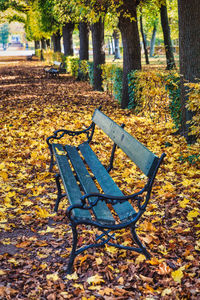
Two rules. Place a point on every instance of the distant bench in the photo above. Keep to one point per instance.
(108, 209)
(55, 69)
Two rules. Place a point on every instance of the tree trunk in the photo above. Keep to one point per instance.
(98, 52)
(153, 39)
(67, 31)
(37, 45)
(48, 43)
(131, 46)
(167, 38)
(189, 53)
(116, 43)
(43, 44)
(56, 42)
(144, 41)
(84, 41)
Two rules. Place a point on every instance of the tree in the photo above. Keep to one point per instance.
(98, 52)
(167, 38)
(144, 40)
(4, 33)
(84, 40)
(131, 43)
(189, 44)
(116, 35)
(67, 32)
(153, 38)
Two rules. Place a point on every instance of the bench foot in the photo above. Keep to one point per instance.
(73, 252)
(137, 241)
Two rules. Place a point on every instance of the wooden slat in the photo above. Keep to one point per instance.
(124, 210)
(69, 181)
(101, 211)
(136, 151)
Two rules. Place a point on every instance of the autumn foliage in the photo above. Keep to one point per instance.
(35, 243)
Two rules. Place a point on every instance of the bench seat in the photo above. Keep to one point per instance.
(66, 155)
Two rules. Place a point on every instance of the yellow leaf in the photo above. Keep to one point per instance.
(42, 213)
(43, 266)
(13, 261)
(184, 203)
(187, 182)
(2, 166)
(99, 260)
(140, 259)
(192, 214)
(177, 275)
(4, 175)
(29, 186)
(48, 230)
(121, 280)
(155, 261)
(78, 286)
(53, 276)
(94, 287)
(60, 152)
(73, 276)
(96, 279)
(111, 249)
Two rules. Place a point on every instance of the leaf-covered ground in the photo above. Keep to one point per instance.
(35, 244)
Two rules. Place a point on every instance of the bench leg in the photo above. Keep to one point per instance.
(137, 240)
(60, 195)
(52, 157)
(73, 252)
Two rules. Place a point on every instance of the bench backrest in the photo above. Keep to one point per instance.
(137, 152)
(57, 63)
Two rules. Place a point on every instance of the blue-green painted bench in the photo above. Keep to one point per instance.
(55, 69)
(90, 206)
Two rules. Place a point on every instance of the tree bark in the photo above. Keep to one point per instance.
(167, 38)
(84, 41)
(189, 53)
(116, 43)
(43, 44)
(98, 52)
(37, 45)
(131, 46)
(144, 41)
(48, 43)
(56, 42)
(67, 31)
(153, 39)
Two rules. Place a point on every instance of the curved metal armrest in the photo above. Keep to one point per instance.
(113, 199)
(80, 206)
(58, 134)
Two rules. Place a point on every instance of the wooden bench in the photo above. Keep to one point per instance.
(108, 209)
(55, 69)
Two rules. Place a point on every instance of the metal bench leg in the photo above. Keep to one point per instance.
(52, 163)
(73, 252)
(60, 195)
(136, 239)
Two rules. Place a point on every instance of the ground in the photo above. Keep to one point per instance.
(35, 243)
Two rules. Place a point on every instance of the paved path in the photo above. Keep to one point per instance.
(17, 53)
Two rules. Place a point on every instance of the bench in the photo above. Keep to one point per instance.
(55, 69)
(108, 209)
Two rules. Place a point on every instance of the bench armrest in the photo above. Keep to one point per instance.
(58, 134)
(113, 199)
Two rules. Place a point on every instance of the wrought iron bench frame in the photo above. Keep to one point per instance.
(85, 202)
